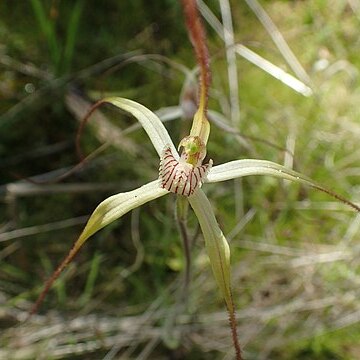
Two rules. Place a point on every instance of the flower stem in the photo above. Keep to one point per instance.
(182, 206)
(52, 279)
(198, 39)
(233, 327)
(200, 126)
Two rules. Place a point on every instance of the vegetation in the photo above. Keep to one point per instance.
(294, 250)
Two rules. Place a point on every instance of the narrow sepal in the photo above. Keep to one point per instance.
(216, 244)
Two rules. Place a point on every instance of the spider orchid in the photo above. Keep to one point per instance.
(183, 175)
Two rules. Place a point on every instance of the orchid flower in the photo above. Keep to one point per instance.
(184, 174)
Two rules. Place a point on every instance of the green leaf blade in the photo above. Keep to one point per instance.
(71, 33)
(46, 25)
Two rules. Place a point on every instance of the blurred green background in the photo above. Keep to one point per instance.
(295, 252)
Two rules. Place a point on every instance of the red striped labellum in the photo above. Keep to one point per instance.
(180, 177)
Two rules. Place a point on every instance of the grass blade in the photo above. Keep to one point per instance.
(106, 212)
(47, 28)
(72, 29)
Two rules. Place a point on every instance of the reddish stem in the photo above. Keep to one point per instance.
(338, 197)
(52, 279)
(83, 122)
(198, 39)
(234, 334)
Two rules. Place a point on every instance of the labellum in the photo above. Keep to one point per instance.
(179, 176)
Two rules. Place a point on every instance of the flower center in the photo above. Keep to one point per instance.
(180, 176)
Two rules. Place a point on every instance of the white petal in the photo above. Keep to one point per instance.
(246, 167)
(216, 245)
(149, 121)
(107, 211)
(117, 205)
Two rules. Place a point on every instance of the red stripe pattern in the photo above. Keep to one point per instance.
(181, 177)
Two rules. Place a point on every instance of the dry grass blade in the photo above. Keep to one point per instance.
(38, 229)
(104, 129)
(229, 41)
(273, 70)
(254, 58)
(40, 96)
(279, 40)
(233, 89)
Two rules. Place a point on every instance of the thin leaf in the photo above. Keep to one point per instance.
(273, 70)
(254, 58)
(106, 212)
(216, 245)
(149, 121)
(90, 282)
(71, 35)
(47, 27)
(279, 40)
